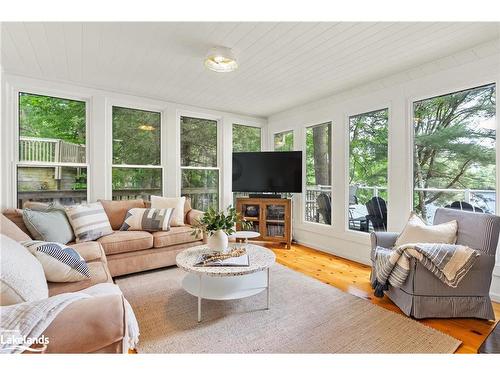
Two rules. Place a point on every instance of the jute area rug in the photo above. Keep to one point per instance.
(306, 316)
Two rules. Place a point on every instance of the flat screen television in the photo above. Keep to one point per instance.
(267, 172)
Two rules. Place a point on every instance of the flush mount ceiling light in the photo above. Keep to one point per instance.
(221, 60)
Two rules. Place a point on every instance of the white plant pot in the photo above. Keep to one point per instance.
(218, 241)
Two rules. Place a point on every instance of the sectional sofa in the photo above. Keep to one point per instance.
(97, 325)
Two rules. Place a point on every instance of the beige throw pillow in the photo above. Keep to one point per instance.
(176, 203)
(89, 221)
(148, 219)
(22, 278)
(416, 231)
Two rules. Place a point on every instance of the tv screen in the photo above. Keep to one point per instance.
(267, 172)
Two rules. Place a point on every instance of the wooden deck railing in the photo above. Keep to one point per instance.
(48, 150)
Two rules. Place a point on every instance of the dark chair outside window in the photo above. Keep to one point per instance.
(463, 206)
(377, 214)
(324, 208)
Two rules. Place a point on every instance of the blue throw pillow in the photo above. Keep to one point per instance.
(50, 224)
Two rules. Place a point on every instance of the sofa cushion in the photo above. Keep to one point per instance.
(124, 241)
(16, 216)
(11, 230)
(50, 224)
(89, 325)
(117, 210)
(89, 221)
(99, 273)
(90, 251)
(175, 236)
(22, 278)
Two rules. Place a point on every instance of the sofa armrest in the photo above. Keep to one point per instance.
(193, 216)
(383, 239)
(89, 325)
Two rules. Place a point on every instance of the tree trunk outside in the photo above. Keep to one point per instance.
(321, 141)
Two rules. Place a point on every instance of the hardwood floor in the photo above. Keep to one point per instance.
(353, 278)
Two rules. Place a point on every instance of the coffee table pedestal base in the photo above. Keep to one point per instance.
(227, 287)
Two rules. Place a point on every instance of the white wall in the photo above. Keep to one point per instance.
(99, 133)
(463, 70)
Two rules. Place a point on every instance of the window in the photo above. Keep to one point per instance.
(368, 134)
(246, 138)
(318, 174)
(52, 164)
(137, 171)
(283, 141)
(199, 162)
(454, 152)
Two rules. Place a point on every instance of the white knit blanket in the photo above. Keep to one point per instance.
(23, 324)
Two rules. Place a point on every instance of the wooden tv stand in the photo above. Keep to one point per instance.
(271, 217)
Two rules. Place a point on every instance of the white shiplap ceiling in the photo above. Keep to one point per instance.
(281, 64)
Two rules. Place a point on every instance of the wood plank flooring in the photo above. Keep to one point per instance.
(353, 278)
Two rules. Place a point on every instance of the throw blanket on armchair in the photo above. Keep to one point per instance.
(29, 320)
(450, 263)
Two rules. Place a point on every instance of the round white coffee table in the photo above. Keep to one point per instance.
(226, 283)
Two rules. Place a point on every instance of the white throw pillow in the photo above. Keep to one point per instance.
(22, 278)
(89, 221)
(176, 203)
(61, 264)
(416, 231)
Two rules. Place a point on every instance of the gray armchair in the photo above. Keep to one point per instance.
(423, 295)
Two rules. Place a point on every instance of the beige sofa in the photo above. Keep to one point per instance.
(97, 325)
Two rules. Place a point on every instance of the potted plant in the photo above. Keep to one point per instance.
(217, 226)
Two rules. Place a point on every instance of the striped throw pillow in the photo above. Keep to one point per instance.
(89, 221)
(60, 263)
(148, 219)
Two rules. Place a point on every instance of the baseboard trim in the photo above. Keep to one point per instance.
(362, 260)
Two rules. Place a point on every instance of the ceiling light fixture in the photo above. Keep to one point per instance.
(221, 60)
(148, 128)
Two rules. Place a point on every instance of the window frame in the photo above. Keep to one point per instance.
(180, 167)
(449, 89)
(304, 174)
(57, 94)
(140, 107)
(347, 122)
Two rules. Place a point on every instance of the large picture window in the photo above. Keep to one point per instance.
(137, 171)
(454, 152)
(199, 162)
(318, 207)
(283, 141)
(367, 183)
(52, 163)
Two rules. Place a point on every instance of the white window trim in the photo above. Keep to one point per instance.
(219, 125)
(60, 94)
(304, 175)
(348, 163)
(451, 89)
(133, 105)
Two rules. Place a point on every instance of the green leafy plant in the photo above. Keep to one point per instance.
(214, 220)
